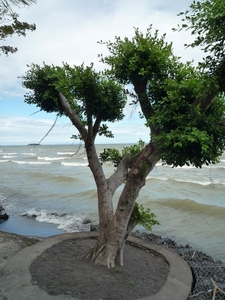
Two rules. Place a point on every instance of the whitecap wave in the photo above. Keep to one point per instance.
(66, 222)
(65, 153)
(74, 164)
(51, 158)
(202, 183)
(8, 156)
(9, 153)
(4, 160)
(20, 162)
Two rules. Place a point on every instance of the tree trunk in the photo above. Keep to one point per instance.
(115, 228)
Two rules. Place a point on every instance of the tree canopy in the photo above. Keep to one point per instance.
(93, 97)
(185, 130)
(172, 95)
(206, 21)
(12, 24)
(183, 107)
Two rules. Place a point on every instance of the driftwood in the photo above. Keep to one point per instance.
(215, 289)
(200, 293)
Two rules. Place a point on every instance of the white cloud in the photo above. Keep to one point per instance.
(25, 130)
(68, 31)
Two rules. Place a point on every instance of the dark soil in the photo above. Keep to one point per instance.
(61, 270)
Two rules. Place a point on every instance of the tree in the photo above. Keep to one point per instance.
(181, 132)
(206, 20)
(7, 15)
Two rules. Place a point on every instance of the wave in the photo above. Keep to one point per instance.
(8, 156)
(67, 222)
(74, 164)
(51, 158)
(31, 154)
(20, 162)
(191, 167)
(194, 182)
(221, 168)
(161, 164)
(4, 160)
(193, 207)
(9, 153)
(52, 177)
(65, 153)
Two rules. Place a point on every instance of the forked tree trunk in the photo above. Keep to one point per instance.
(109, 247)
(115, 227)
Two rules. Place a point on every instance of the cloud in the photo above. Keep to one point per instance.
(21, 131)
(68, 31)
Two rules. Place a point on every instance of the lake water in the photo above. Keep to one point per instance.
(55, 184)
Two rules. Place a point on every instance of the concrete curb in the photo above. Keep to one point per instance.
(15, 280)
(179, 281)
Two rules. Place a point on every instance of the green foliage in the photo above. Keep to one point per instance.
(100, 96)
(114, 155)
(206, 20)
(14, 26)
(133, 149)
(167, 91)
(165, 88)
(91, 94)
(43, 84)
(186, 135)
(104, 130)
(144, 216)
(140, 58)
(117, 269)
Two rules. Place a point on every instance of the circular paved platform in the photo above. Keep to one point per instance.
(15, 279)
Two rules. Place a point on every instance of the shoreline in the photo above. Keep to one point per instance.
(29, 227)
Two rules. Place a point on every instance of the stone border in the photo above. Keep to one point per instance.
(15, 280)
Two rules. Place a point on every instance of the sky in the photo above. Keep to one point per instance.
(68, 31)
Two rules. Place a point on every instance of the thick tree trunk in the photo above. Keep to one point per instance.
(109, 248)
(115, 228)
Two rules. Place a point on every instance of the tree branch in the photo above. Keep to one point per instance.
(212, 92)
(140, 90)
(142, 166)
(206, 101)
(146, 107)
(120, 175)
(96, 126)
(72, 115)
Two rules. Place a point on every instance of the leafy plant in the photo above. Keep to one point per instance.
(114, 155)
(144, 216)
